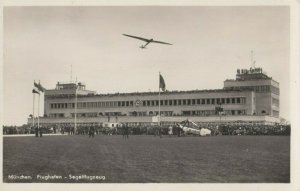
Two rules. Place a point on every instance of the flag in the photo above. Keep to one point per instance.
(35, 92)
(162, 84)
(39, 87)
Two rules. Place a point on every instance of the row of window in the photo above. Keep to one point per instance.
(259, 89)
(175, 102)
(154, 113)
(275, 90)
(213, 112)
(207, 101)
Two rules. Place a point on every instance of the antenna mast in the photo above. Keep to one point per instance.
(71, 74)
(252, 61)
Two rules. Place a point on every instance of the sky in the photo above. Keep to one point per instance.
(209, 44)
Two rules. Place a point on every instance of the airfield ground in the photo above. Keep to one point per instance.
(149, 159)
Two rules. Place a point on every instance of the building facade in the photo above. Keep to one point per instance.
(252, 97)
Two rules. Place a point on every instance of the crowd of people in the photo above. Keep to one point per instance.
(94, 129)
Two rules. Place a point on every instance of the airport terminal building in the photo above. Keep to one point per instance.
(251, 98)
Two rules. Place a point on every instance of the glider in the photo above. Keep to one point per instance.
(146, 40)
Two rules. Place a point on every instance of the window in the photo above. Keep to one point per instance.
(161, 102)
(212, 101)
(188, 102)
(179, 102)
(193, 101)
(175, 102)
(227, 100)
(256, 88)
(184, 102)
(275, 102)
(223, 100)
(203, 101)
(166, 102)
(186, 112)
(170, 102)
(208, 101)
(198, 101)
(152, 103)
(238, 100)
(232, 100)
(243, 100)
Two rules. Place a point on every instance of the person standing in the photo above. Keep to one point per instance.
(36, 131)
(54, 129)
(92, 131)
(123, 132)
(126, 132)
(160, 131)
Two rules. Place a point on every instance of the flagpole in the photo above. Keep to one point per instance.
(75, 126)
(159, 100)
(33, 111)
(39, 113)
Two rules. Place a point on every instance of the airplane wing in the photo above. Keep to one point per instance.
(140, 38)
(161, 42)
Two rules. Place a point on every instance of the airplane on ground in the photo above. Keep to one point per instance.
(146, 40)
(190, 127)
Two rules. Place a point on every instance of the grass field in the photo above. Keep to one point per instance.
(149, 159)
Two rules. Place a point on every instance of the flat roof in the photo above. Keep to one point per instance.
(154, 93)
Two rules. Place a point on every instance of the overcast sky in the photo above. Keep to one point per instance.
(210, 43)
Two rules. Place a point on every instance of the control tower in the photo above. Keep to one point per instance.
(265, 88)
